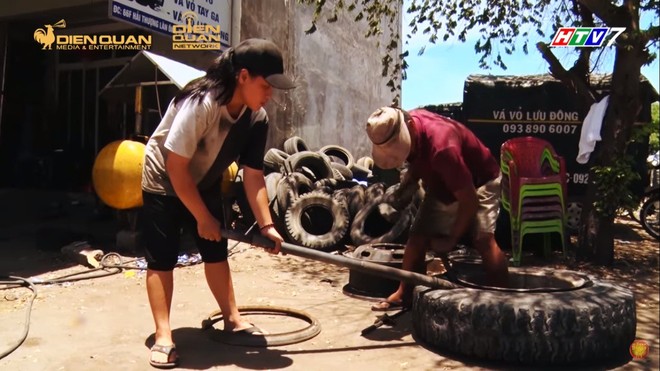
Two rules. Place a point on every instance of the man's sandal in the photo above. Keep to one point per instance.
(169, 351)
(387, 305)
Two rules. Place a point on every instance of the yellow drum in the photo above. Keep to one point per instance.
(117, 174)
(228, 177)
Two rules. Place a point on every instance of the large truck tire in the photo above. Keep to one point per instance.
(582, 324)
(289, 188)
(317, 221)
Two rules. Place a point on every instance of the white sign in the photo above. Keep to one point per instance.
(161, 15)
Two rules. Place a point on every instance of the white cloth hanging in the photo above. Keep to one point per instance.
(590, 133)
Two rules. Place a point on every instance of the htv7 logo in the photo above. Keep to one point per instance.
(585, 37)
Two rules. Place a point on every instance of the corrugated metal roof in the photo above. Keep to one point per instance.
(597, 81)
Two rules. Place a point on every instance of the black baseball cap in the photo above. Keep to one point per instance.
(262, 57)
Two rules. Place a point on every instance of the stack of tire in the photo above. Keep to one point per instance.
(325, 199)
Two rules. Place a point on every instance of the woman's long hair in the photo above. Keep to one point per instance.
(220, 77)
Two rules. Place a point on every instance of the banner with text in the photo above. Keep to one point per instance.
(161, 15)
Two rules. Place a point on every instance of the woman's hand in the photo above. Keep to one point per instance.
(271, 233)
(209, 228)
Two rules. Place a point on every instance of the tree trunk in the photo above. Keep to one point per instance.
(596, 233)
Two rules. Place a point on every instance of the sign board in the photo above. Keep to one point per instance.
(161, 15)
(498, 108)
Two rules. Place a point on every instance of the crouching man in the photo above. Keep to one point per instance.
(461, 179)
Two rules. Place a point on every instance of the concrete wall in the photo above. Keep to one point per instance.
(337, 70)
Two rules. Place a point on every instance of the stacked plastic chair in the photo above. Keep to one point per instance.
(533, 192)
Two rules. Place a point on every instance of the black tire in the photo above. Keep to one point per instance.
(582, 325)
(294, 145)
(327, 225)
(371, 227)
(337, 175)
(413, 194)
(340, 153)
(355, 199)
(649, 216)
(341, 195)
(326, 185)
(365, 162)
(290, 188)
(314, 162)
(374, 191)
(272, 182)
(345, 172)
(274, 160)
(360, 173)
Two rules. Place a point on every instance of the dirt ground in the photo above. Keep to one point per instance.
(105, 323)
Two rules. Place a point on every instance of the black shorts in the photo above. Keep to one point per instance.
(163, 219)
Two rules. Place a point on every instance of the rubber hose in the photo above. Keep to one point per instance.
(26, 327)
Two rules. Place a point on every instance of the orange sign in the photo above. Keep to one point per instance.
(639, 349)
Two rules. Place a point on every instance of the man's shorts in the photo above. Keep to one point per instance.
(435, 219)
(164, 218)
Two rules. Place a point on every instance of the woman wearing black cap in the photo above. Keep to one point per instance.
(214, 121)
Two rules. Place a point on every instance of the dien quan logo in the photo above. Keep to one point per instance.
(191, 36)
(586, 37)
(46, 37)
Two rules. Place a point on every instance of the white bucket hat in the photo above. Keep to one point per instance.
(389, 134)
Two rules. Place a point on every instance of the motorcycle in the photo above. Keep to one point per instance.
(649, 214)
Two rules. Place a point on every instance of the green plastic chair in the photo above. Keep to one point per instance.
(534, 190)
(537, 226)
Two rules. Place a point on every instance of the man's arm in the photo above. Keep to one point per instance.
(458, 180)
(468, 204)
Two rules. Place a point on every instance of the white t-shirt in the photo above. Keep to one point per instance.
(201, 142)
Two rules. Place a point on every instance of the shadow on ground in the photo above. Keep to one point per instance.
(199, 352)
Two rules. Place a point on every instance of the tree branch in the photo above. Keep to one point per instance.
(582, 64)
(606, 11)
(570, 79)
(651, 34)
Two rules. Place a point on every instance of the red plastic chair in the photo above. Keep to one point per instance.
(531, 161)
(534, 188)
(530, 156)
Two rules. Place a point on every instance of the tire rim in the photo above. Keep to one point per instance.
(530, 280)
